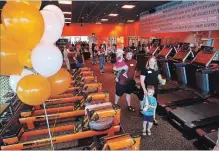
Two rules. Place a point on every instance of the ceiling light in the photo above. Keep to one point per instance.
(68, 22)
(128, 6)
(67, 18)
(66, 12)
(98, 22)
(130, 21)
(114, 15)
(104, 19)
(64, 2)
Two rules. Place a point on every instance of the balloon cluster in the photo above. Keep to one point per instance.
(27, 40)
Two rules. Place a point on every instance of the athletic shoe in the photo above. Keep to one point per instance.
(130, 108)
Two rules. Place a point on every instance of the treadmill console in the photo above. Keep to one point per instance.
(205, 56)
(164, 53)
(153, 50)
(182, 54)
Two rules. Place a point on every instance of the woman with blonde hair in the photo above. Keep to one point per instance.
(150, 75)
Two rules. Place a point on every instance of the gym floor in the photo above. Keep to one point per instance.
(164, 136)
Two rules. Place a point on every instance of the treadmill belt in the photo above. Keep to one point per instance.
(197, 112)
(167, 98)
(212, 137)
(168, 85)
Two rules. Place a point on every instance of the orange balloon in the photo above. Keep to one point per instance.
(33, 89)
(9, 56)
(24, 58)
(23, 22)
(60, 82)
(3, 32)
(36, 3)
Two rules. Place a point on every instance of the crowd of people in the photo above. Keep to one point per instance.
(124, 65)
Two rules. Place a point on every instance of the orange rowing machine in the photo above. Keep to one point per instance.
(80, 70)
(118, 142)
(76, 91)
(94, 97)
(83, 74)
(84, 80)
(98, 121)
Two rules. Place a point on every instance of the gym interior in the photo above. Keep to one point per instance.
(109, 75)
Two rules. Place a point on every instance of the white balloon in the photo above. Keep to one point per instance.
(14, 79)
(58, 12)
(46, 59)
(52, 27)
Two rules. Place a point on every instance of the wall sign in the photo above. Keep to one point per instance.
(181, 16)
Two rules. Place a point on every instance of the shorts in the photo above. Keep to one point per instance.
(121, 89)
(148, 118)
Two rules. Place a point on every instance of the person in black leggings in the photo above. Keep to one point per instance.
(150, 75)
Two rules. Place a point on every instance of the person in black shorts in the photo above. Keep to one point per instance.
(126, 84)
(150, 75)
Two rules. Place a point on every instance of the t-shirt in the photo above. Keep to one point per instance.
(131, 72)
(101, 52)
(151, 76)
(152, 102)
(119, 63)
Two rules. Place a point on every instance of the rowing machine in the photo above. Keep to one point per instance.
(84, 80)
(118, 142)
(29, 118)
(83, 74)
(76, 91)
(104, 121)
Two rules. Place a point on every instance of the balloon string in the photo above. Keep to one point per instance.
(56, 119)
(47, 121)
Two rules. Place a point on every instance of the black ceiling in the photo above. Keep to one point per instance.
(93, 11)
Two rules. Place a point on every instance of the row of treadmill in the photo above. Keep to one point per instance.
(190, 97)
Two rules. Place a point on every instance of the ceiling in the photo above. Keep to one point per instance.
(94, 11)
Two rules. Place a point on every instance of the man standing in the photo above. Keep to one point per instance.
(127, 84)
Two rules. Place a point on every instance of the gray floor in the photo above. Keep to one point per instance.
(164, 136)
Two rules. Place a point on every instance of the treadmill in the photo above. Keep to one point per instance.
(201, 113)
(181, 95)
(208, 135)
(168, 69)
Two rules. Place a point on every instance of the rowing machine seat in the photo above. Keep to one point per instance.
(101, 124)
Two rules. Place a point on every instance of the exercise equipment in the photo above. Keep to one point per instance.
(77, 91)
(79, 103)
(117, 142)
(208, 135)
(84, 80)
(78, 75)
(206, 112)
(104, 121)
(163, 56)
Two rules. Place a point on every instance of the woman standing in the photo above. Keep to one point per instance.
(150, 75)
(101, 54)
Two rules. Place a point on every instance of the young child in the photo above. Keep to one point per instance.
(120, 64)
(149, 110)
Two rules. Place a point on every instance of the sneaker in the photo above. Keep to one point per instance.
(144, 133)
(155, 122)
(130, 108)
(149, 133)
